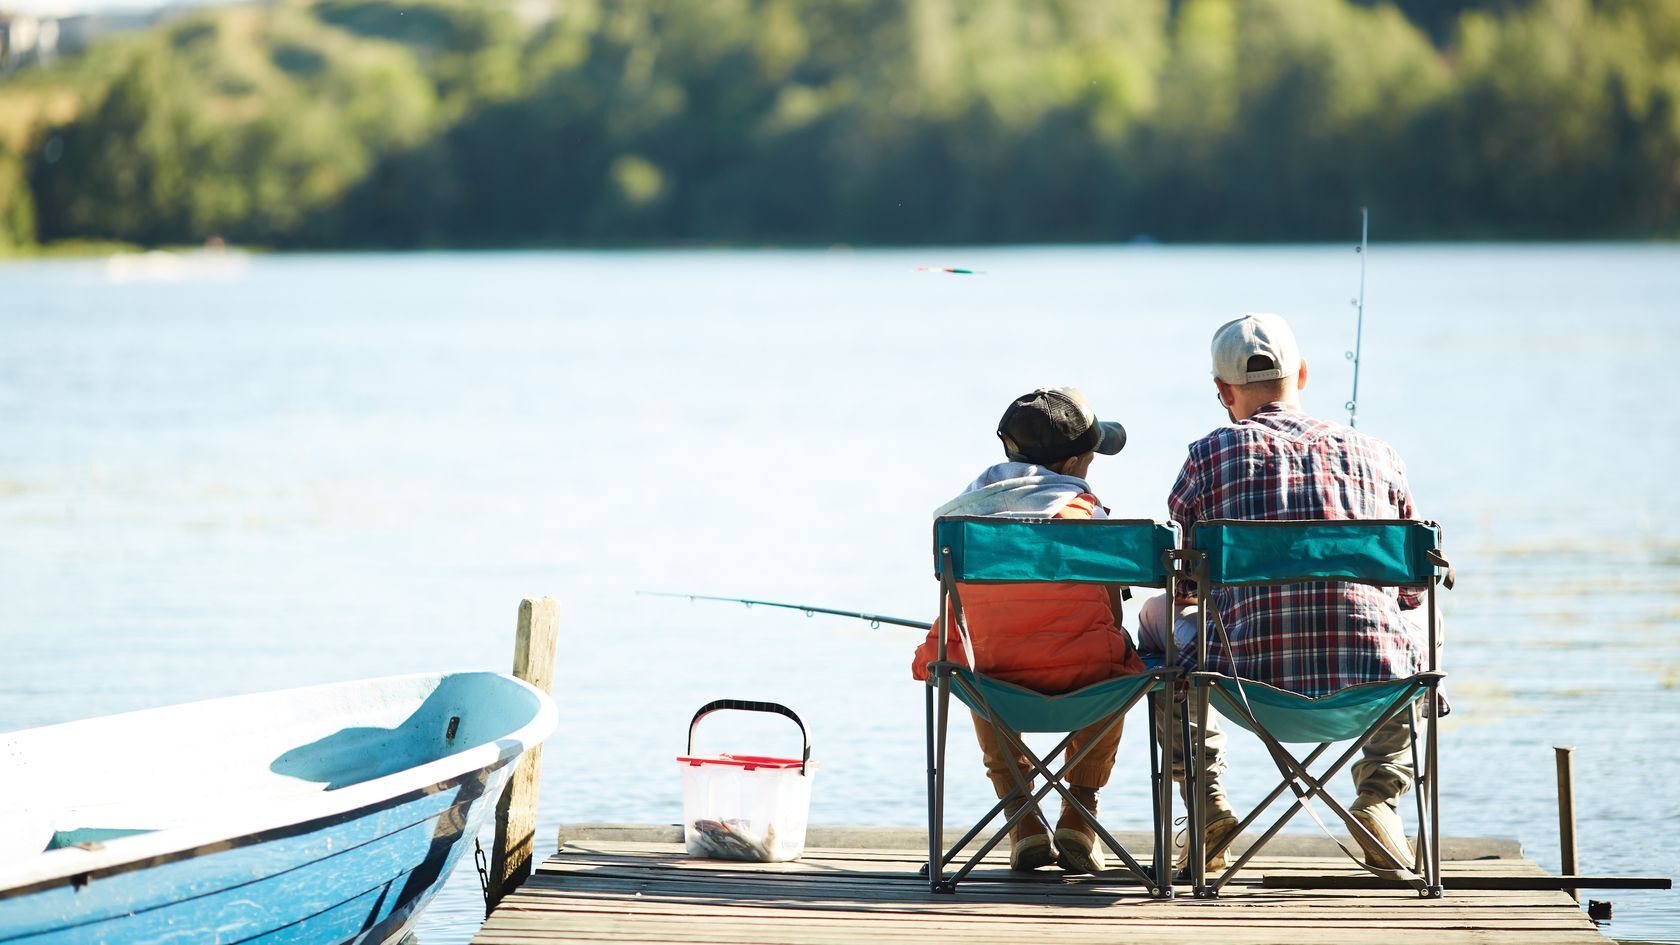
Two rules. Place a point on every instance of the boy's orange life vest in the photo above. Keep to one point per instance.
(1047, 637)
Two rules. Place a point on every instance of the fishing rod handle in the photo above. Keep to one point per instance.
(749, 705)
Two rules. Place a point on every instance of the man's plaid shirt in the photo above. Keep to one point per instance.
(1309, 638)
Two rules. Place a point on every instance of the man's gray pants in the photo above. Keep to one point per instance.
(1385, 770)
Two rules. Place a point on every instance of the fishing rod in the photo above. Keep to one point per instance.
(1359, 303)
(875, 620)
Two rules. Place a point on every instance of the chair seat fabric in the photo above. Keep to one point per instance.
(1024, 710)
(1292, 717)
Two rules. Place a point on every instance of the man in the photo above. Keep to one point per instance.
(1051, 638)
(1272, 462)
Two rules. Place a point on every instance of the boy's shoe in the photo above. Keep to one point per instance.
(1219, 823)
(1029, 843)
(1375, 814)
(1077, 849)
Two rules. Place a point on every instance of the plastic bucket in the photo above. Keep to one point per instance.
(746, 807)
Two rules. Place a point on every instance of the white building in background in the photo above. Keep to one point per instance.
(27, 40)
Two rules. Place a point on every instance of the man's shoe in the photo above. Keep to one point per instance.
(1029, 842)
(1077, 850)
(1391, 851)
(1219, 824)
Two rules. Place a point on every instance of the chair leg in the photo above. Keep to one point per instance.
(1195, 843)
(1295, 771)
(974, 831)
(1192, 779)
(1154, 774)
(1276, 793)
(1053, 781)
(936, 825)
(934, 868)
(1248, 821)
(1420, 857)
(1432, 733)
(1425, 861)
(1160, 710)
(1006, 738)
(1289, 783)
(987, 847)
(1314, 787)
(1156, 880)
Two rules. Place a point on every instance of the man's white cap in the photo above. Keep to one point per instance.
(1255, 334)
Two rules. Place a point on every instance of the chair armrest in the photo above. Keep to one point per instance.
(938, 668)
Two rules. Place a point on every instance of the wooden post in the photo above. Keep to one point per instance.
(516, 814)
(1566, 812)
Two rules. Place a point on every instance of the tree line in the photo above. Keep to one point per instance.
(408, 123)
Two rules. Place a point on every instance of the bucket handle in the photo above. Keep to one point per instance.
(748, 705)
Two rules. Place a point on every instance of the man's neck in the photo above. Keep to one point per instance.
(1292, 403)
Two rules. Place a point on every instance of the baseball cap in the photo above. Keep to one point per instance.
(1257, 334)
(1052, 423)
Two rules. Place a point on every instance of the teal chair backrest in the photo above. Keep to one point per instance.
(1095, 551)
(1387, 552)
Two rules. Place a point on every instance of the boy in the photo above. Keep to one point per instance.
(1051, 638)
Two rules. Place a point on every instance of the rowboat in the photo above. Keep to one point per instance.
(315, 816)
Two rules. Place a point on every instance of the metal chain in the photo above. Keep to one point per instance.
(483, 865)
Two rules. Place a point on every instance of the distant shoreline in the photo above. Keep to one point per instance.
(83, 249)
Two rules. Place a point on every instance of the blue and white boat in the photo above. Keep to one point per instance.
(315, 816)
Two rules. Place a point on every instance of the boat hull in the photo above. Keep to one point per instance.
(361, 880)
(352, 875)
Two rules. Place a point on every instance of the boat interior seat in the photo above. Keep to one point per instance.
(81, 821)
(26, 833)
(92, 836)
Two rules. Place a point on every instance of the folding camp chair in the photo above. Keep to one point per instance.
(1384, 553)
(977, 550)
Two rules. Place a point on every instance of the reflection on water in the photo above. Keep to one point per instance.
(336, 467)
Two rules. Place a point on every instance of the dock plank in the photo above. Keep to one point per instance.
(642, 890)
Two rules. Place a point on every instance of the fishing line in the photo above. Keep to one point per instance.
(875, 620)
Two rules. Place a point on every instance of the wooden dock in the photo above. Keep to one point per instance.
(636, 884)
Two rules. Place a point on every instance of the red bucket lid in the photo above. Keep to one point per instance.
(746, 762)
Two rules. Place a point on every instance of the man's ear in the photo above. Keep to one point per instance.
(1301, 376)
(1227, 396)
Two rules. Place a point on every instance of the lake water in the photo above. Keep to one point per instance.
(316, 468)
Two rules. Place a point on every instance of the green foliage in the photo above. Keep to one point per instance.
(1286, 114)
(247, 124)
(1565, 117)
(471, 51)
(448, 122)
(17, 204)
